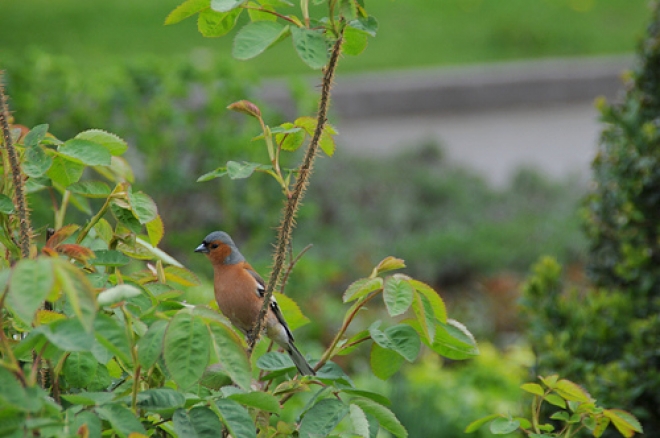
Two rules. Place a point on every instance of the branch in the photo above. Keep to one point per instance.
(292, 205)
(19, 194)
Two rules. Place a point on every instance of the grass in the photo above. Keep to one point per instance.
(413, 33)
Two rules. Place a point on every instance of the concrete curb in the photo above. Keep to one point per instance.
(454, 89)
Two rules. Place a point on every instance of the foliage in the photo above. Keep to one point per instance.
(578, 410)
(606, 336)
(95, 338)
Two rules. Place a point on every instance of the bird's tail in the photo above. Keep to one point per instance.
(303, 367)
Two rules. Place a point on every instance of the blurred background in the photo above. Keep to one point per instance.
(466, 132)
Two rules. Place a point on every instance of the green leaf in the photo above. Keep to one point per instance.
(260, 400)
(275, 361)
(117, 294)
(160, 399)
(533, 388)
(291, 139)
(212, 24)
(225, 5)
(236, 418)
(150, 346)
(12, 393)
(397, 294)
(260, 14)
(112, 335)
(292, 313)
(322, 418)
(476, 424)
(31, 282)
(6, 204)
(185, 10)
(453, 341)
(355, 41)
(85, 152)
(237, 170)
(89, 398)
(231, 354)
(67, 335)
(90, 420)
(182, 276)
(625, 422)
(438, 306)
(126, 217)
(361, 288)
(79, 368)
(111, 142)
(36, 162)
(143, 206)
(401, 338)
(571, 391)
(384, 416)
(217, 173)
(425, 316)
(389, 263)
(327, 141)
(502, 426)
(384, 362)
(359, 421)
(200, 422)
(90, 189)
(378, 398)
(554, 399)
(36, 134)
(155, 230)
(186, 348)
(65, 172)
(256, 37)
(109, 258)
(311, 46)
(368, 25)
(123, 421)
(78, 290)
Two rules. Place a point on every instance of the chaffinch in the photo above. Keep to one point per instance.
(239, 292)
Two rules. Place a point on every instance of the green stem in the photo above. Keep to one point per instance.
(61, 213)
(94, 220)
(329, 352)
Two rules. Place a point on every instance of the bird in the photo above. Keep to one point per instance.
(239, 292)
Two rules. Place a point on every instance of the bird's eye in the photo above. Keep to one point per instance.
(214, 245)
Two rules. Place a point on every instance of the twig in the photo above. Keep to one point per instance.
(19, 193)
(291, 208)
(292, 264)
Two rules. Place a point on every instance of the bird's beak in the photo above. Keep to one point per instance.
(202, 248)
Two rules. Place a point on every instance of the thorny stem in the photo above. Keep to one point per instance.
(19, 188)
(331, 349)
(291, 207)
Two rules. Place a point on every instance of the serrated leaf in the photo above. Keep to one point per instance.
(554, 399)
(123, 421)
(186, 9)
(477, 424)
(311, 46)
(160, 399)
(322, 418)
(155, 230)
(47, 316)
(104, 231)
(64, 172)
(260, 400)
(213, 24)
(90, 189)
(85, 152)
(31, 282)
(117, 294)
(327, 141)
(571, 391)
(6, 204)
(366, 24)
(36, 162)
(290, 139)
(388, 264)
(109, 258)
(186, 348)
(217, 173)
(256, 37)
(425, 316)
(111, 335)
(453, 341)
(36, 134)
(359, 421)
(275, 361)
(397, 295)
(78, 290)
(384, 362)
(79, 368)
(625, 422)
(14, 395)
(200, 422)
(385, 417)
(181, 276)
(150, 346)
(231, 354)
(533, 388)
(89, 398)
(502, 426)
(67, 335)
(241, 170)
(437, 304)
(225, 5)
(111, 142)
(144, 208)
(236, 418)
(378, 398)
(361, 288)
(292, 313)
(126, 217)
(550, 381)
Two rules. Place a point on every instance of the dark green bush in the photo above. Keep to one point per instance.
(607, 337)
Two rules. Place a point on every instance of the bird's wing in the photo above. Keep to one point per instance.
(261, 290)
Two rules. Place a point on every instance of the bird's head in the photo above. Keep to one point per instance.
(220, 249)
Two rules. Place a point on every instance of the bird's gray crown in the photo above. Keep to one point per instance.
(235, 256)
